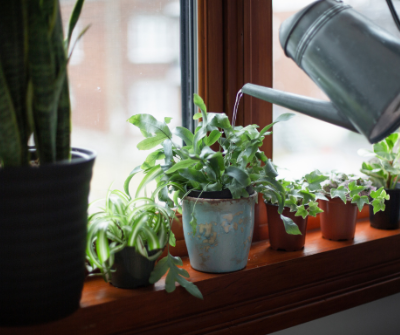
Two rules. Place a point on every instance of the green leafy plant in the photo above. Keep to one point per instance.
(357, 190)
(235, 165)
(384, 167)
(140, 223)
(34, 96)
(300, 197)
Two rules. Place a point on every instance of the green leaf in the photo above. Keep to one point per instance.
(382, 150)
(240, 175)
(301, 211)
(339, 192)
(193, 174)
(284, 117)
(185, 134)
(150, 126)
(197, 116)
(220, 120)
(152, 158)
(181, 165)
(313, 209)
(360, 201)
(307, 196)
(380, 193)
(270, 169)
(128, 180)
(73, 20)
(314, 180)
(290, 227)
(151, 142)
(391, 140)
(378, 205)
(212, 138)
(149, 176)
(198, 101)
(190, 287)
(159, 270)
(167, 120)
(355, 189)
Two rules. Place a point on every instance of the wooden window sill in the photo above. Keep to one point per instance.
(275, 291)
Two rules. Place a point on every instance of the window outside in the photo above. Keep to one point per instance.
(303, 143)
(126, 63)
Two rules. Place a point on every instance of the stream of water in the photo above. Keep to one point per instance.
(236, 107)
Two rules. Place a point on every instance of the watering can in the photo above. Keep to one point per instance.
(354, 61)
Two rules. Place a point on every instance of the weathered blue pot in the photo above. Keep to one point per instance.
(223, 235)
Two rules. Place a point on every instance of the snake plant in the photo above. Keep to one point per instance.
(34, 96)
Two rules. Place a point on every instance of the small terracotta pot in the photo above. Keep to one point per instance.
(338, 221)
(278, 238)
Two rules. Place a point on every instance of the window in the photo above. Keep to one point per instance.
(126, 63)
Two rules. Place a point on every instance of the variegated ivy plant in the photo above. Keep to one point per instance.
(140, 223)
(235, 165)
(357, 190)
(384, 167)
(300, 197)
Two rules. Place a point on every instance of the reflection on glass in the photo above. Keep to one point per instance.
(126, 63)
(303, 144)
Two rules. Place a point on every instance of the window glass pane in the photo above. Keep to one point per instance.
(303, 143)
(126, 63)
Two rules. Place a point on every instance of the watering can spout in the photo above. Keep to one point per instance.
(321, 110)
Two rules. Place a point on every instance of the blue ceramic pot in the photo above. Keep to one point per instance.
(224, 232)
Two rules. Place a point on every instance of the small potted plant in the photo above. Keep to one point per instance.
(125, 239)
(384, 171)
(44, 187)
(300, 201)
(346, 193)
(218, 202)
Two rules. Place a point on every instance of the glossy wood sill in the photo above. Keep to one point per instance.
(275, 291)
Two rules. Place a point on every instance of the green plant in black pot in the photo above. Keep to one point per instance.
(44, 209)
(211, 179)
(346, 194)
(383, 169)
(127, 236)
(300, 201)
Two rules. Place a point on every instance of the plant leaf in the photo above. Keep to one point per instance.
(339, 192)
(181, 165)
(360, 201)
(238, 174)
(212, 138)
(290, 227)
(185, 134)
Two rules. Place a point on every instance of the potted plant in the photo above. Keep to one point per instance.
(44, 188)
(218, 202)
(346, 193)
(384, 171)
(127, 236)
(300, 201)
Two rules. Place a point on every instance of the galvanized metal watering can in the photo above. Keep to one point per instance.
(354, 61)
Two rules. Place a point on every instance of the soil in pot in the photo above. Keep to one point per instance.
(338, 221)
(278, 238)
(224, 232)
(389, 218)
(131, 269)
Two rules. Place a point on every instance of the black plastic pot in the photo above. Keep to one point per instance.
(389, 218)
(43, 218)
(132, 270)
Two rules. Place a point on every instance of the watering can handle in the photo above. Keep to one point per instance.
(394, 13)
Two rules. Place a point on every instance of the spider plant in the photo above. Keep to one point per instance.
(140, 223)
